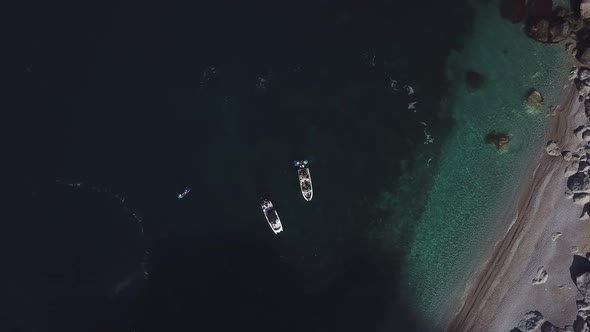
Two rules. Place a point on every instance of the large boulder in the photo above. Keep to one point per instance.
(571, 169)
(583, 285)
(548, 327)
(583, 54)
(534, 99)
(531, 321)
(559, 31)
(581, 199)
(541, 9)
(583, 73)
(539, 31)
(583, 133)
(578, 184)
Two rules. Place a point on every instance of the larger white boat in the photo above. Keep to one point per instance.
(272, 217)
(304, 179)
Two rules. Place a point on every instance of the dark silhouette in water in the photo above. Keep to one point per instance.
(474, 80)
(513, 10)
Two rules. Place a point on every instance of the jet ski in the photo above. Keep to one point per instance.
(272, 217)
(304, 179)
(184, 193)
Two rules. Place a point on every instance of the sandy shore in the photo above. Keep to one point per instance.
(502, 291)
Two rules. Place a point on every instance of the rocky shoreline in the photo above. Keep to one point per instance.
(559, 27)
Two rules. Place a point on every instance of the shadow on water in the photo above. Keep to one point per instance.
(136, 113)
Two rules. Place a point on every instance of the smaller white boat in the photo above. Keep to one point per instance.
(271, 216)
(304, 179)
(184, 193)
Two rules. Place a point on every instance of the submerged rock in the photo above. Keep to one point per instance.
(474, 80)
(530, 321)
(552, 149)
(513, 10)
(499, 139)
(535, 99)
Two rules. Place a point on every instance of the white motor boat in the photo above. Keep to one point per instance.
(272, 217)
(304, 179)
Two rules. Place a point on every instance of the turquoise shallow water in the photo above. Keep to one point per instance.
(474, 182)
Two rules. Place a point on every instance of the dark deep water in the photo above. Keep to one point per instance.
(124, 96)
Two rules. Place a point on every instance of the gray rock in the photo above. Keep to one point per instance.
(580, 325)
(555, 236)
(570, 48)
(582, 305)
(585, 213)
(583, 73)
(530, 321)
(571, 169)
(581, 199)
(569, 195)
(552, 149)
(578, 184)
(585, 9)
(583, 55)
(541, 277)
(567, 155)
(583, 166)
(548, 327)
(583, 284)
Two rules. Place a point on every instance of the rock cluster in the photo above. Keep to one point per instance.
(552, 28)
(532, 320)
(581, 77)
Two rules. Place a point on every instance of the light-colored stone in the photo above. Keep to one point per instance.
(585, 9)
(583, 166)
(531, 321)
(578, 184)
(581, 199)
(569, 195)
(571, 169)
(567, 155)
(552, 149)
(541, 277)
(555, 236)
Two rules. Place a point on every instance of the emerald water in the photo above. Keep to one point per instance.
(474, 182)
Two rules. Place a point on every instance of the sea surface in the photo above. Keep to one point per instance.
(127, 103)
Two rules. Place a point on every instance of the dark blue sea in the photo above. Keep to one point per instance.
(126, 103)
